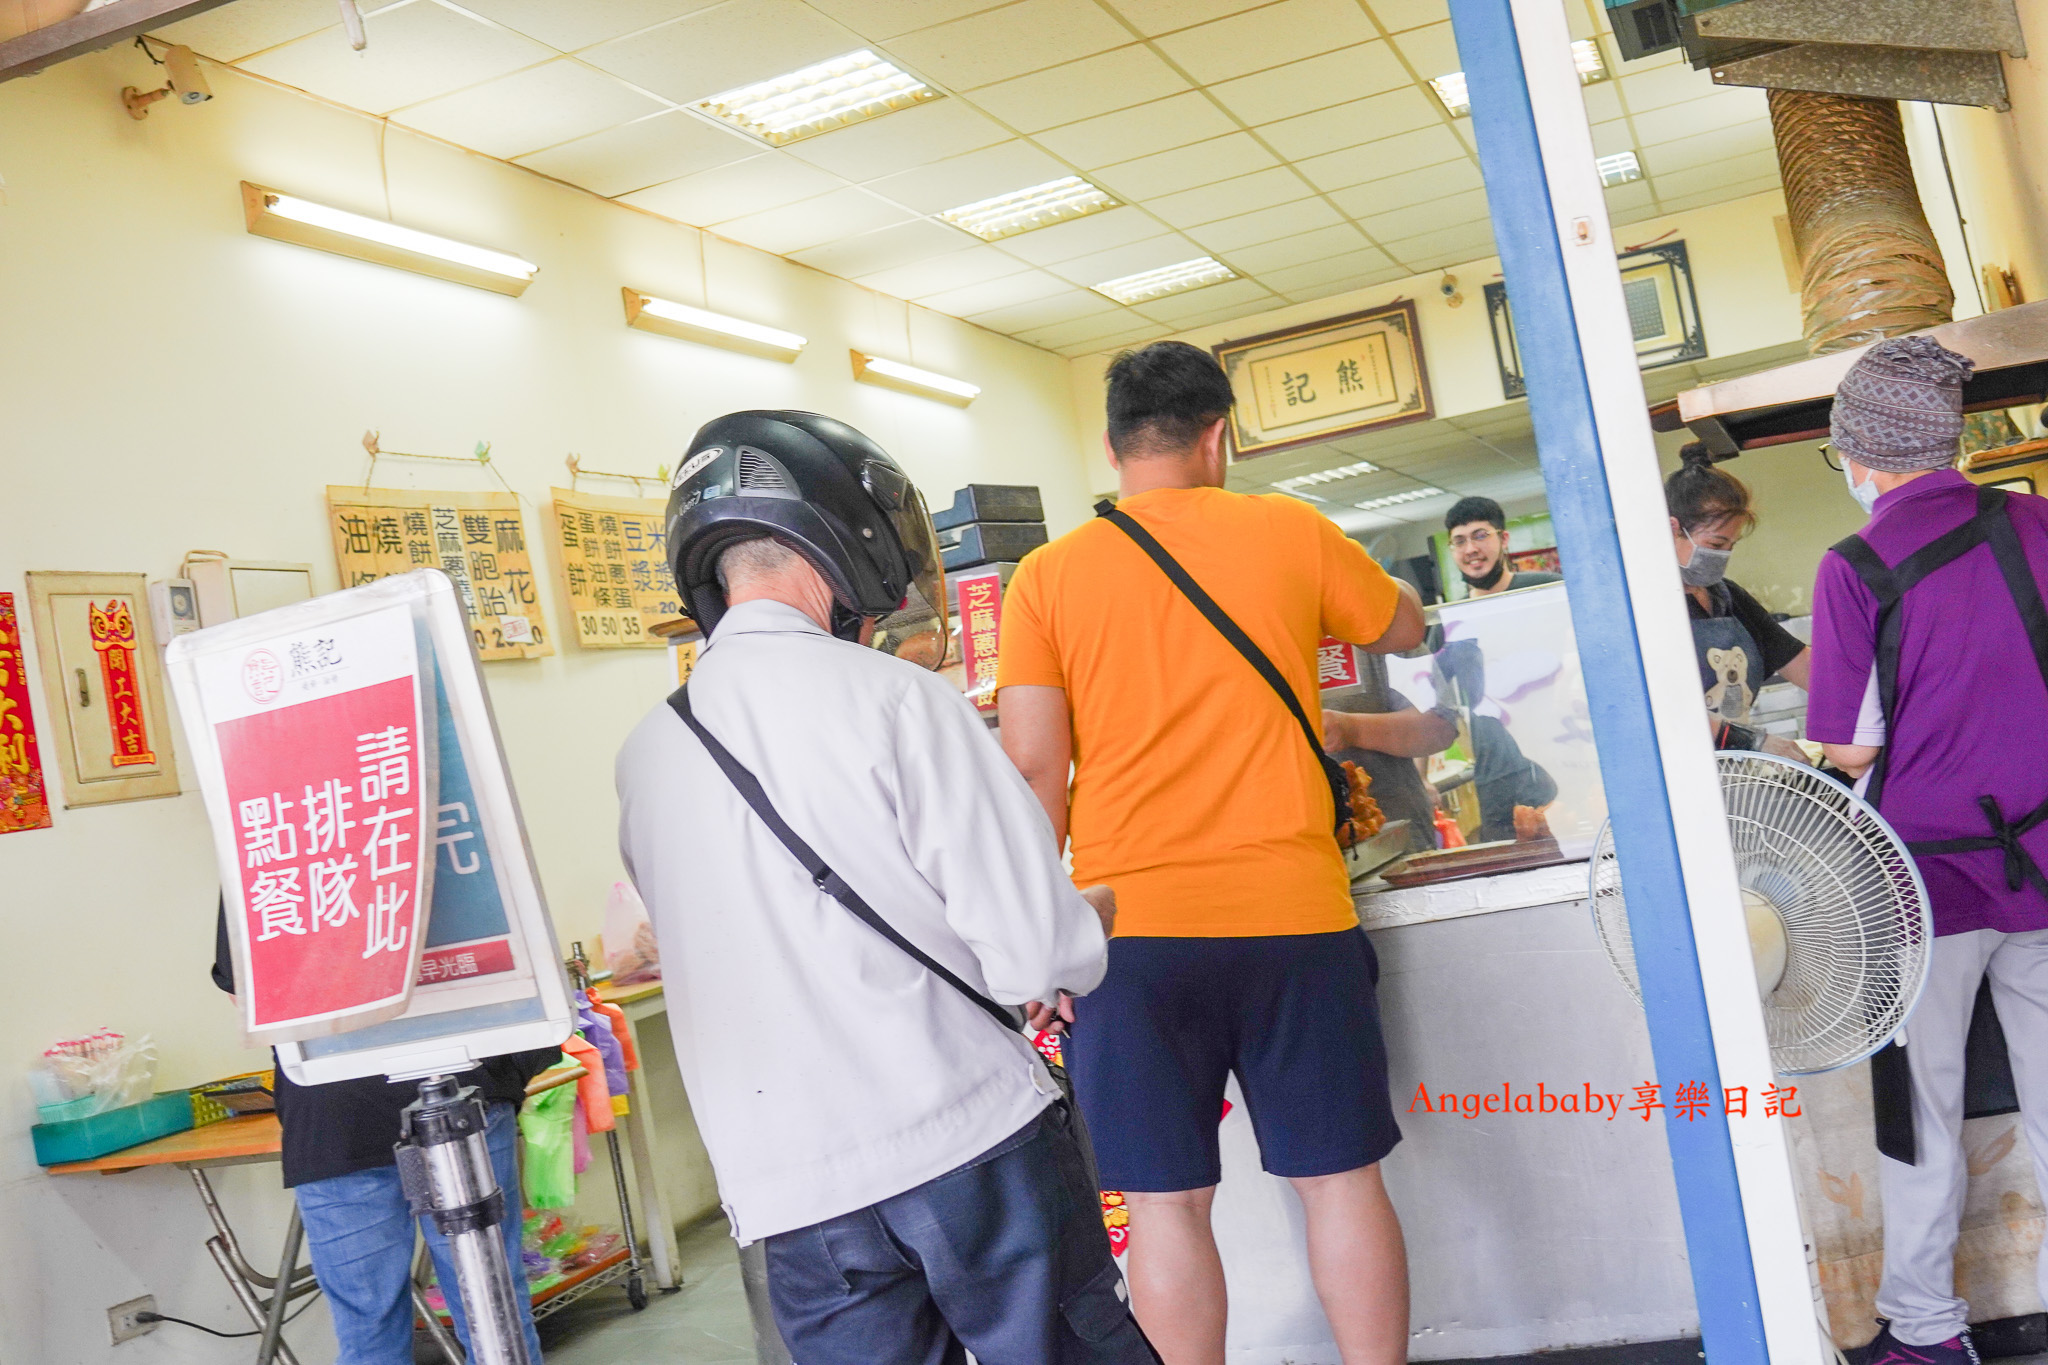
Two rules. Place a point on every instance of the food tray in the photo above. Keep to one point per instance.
(1362, 860)
(1474, 860)
(112, 1130)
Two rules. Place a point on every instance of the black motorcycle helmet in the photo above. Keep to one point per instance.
(830, 494)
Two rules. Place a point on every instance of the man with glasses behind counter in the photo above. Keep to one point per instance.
(1479, 545)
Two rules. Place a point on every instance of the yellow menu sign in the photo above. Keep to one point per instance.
(611, 556)
(477, 539)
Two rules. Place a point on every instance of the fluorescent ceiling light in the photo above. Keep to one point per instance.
(894, 374)
(1039, 206)
(651, 314)
(818, 99)
(1394, 499)
(290, 219)
(1457, 98)
(1619, 169)
(1168, 279)
(1294, 487)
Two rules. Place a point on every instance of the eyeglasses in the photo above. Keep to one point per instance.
(1482, 537)
(1828, 459)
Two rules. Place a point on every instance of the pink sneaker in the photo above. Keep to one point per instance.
(1889, 1350)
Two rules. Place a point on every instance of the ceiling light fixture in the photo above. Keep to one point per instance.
(1342, 471)
(1456, 97)
(1167, 279)
(651, 314)
(894, 374)
(833, 94)
(1006, 215)
(1393, 499)
(287, 218)
(1619, 169)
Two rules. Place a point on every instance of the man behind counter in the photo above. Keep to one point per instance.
(1479, 544)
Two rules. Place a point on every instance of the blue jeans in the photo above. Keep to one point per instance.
(1005, 1257)
(360, 1232)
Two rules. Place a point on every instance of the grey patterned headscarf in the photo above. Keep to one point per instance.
(1900, 407)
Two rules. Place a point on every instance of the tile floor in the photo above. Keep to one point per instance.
(703, 1323)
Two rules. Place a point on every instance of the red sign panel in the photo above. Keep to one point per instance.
(330, 804)
(981, 622)
(113, 639)
(24, 803)
(1336, 664)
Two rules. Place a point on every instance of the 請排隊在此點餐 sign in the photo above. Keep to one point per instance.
(1326, 380)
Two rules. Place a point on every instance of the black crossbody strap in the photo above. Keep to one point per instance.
(1215, 615)
(821, 874)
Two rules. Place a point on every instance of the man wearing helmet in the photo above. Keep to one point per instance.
(907, 1160)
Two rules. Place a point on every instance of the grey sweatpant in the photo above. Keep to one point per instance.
(1923, 1203)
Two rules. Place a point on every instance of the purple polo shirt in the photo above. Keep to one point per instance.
(1973, 711)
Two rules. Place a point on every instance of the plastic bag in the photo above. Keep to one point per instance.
(630, 949)
(107, 1068)
(544, 1122)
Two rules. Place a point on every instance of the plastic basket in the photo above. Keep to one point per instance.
(113, 1130)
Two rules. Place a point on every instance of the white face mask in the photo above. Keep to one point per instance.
(1865, 493)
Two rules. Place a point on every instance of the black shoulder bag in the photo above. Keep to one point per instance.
(832, 884)
(1334, 772)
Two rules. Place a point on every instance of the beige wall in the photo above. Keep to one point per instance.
(168, 382)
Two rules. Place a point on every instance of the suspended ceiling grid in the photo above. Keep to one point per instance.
(1296, 141)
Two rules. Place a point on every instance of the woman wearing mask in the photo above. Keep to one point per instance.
(1737, 643)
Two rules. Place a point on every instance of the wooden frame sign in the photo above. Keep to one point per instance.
(1306, 385)
(98, 659)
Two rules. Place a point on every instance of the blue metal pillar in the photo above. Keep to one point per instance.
(1582, 510)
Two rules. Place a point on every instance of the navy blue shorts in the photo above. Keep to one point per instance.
(1295, 1017)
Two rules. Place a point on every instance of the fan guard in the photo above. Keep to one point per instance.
(1827, 884)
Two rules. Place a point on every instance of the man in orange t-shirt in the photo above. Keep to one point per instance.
(1193, 794)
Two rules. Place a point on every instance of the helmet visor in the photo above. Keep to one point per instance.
(917, 630)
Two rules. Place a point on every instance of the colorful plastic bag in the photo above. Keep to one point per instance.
(550, 1168)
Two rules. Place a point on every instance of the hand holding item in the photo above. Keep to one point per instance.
(1102, 899)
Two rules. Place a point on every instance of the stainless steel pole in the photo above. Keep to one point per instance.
(445, 1164)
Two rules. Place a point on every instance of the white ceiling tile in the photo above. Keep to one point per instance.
(812, 222)
(539, 107)
(1184, 168)
(1431, 50)
(1271, 36)
(634, 156)
(1719, 144)
(1347, 125)
(570, 27)
(1636, 212)
(1088, 330)
(1378, 160)
(1184, 310)
(1094, 85)
(1739, 170)
(992, 294)
(1003, 43)
(232, 32)
(1120, 261)
(1164, 16)
(1454, 210)
(1469, 242)
(1071, 306)
(1082, 236)
(416, 52)
(1614, 135)
(1699, 116)
(1288, 220)
(936, 274)
(719, 49)
(972, 176)
(883, 19)
(1121, 341)
(1340, 239)
(1395, 15)
(1228, 198)
(1156, 127)
(1624, 198)
(884, 248)
(896, 142)
(1415, 187)
(1603, 100)
(759, 182)
(1644, 90)
(1300, 87)
(1355, 270)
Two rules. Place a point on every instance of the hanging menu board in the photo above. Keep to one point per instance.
(477, 539)
(612, 558)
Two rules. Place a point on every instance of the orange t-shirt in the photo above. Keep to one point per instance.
(1194, 795)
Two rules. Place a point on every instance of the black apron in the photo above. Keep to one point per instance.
(1987, 1073)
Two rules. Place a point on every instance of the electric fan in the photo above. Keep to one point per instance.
(1838, 918)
